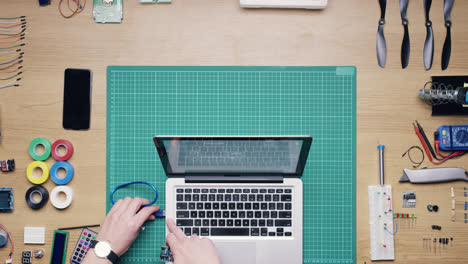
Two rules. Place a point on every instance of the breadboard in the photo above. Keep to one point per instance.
(381, 222)
(317, 101)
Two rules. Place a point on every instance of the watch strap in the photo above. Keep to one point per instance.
(112, 257)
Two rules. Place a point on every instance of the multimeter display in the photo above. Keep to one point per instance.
(453, 137)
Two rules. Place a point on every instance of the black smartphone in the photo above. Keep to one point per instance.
(77, 99)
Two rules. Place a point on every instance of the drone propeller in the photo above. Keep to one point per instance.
(381, 45)
(429, 43)
(446, 51)
(405, 45)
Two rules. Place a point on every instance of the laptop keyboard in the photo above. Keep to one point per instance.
(234, 211)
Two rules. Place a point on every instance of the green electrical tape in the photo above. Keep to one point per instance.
(33, 148)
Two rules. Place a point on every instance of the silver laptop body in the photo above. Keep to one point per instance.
(243, 192)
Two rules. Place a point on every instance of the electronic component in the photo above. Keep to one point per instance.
(3, 238)
(432, 208)
(26, 257)
(7, 165)
(409, 199)
(82, 245)
(6, 200)
(59, 247)
(453, 137)
(38, 253)
(166, 254)
(436, 227)
(106, 11)
(44, 2)
(34, 235)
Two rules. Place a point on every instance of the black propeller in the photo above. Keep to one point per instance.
(446, 51)
(405, 45)
(429, 43)
(381, 45)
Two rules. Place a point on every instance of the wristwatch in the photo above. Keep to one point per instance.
(103, 249)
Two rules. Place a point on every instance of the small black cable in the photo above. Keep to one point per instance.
(415, 164)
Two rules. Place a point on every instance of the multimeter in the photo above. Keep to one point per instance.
(453, 137)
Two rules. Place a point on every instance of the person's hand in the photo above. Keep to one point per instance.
(124, 221)
(193, 250)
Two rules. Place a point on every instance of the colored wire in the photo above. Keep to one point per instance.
(396, 228)
(131, 183)
(11, 65)
(11, 241)
(428, 143)
(10, 84)
(17, 58)
(76, 11)
(12, 71)
(11, 77)
(12, 29)
(13, 22)
(22, 35)
(15, 46)
(415, 163)
(12, 41)
(8, 52)
(9, 18)
(78, 3)
(16, 34)
(16, 25)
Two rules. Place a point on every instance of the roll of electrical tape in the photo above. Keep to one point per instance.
(68, 150)
(45, 172)
(55, 200)
(54, 172)
(33, 148)
(43, 194)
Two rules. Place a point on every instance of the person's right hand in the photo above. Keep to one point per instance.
(193, 250)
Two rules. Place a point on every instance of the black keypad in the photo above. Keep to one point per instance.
(234, 211)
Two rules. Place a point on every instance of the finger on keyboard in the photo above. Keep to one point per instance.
(171, 225)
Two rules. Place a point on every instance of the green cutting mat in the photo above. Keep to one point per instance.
(317, 101)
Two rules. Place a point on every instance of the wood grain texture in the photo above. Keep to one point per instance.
(213, 32)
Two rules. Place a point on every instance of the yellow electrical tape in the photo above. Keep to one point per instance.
(45, 172)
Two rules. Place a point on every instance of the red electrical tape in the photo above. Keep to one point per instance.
(68, 147)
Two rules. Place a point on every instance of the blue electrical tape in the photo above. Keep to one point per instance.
(54, 171)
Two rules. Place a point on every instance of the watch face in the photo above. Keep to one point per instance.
(102, 249)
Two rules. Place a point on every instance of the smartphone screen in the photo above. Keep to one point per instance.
(77, 99)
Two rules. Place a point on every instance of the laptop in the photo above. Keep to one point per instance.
(306, 4)
(243, 192)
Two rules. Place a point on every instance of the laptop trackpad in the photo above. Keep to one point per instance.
(236, 252)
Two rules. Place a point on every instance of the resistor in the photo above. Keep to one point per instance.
(466, 205)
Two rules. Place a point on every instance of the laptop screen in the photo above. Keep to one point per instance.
(206, 155)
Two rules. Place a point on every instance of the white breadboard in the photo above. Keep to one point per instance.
(381, 222)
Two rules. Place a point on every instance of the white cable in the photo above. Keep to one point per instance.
(11, 22)
(8, 52)
(8, 84)
(11, 29)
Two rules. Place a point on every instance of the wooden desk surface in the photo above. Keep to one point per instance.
(211, 32)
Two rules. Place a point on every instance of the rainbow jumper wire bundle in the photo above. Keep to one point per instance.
(12, 35)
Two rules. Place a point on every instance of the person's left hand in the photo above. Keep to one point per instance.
(124, 221)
